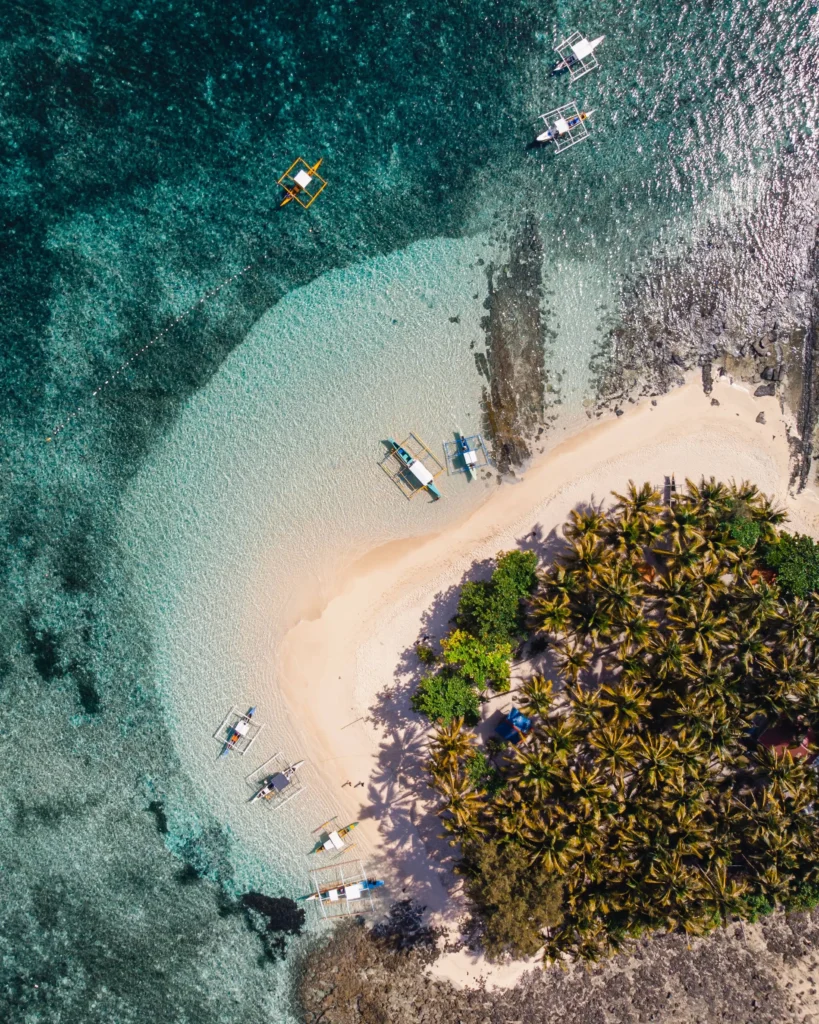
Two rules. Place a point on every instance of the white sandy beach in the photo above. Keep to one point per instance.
(347, 673)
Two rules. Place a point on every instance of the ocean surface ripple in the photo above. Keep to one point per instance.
(141, 145)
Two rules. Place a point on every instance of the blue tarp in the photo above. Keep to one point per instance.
(514, 726)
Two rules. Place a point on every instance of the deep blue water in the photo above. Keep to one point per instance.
(141, 144)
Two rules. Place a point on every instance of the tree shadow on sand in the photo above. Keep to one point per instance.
(400, 799)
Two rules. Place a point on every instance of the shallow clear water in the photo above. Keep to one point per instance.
(142, 146)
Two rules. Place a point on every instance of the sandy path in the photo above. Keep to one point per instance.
(346, 673)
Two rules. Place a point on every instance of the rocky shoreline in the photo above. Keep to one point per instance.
(763, 973)
(514, 401)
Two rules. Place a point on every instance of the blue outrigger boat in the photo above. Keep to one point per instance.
(418, 470)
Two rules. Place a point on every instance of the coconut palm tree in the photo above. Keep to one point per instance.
(585, 712)
(588, 522)
(534, 770)
(574, 657)
(684, 527)
(656, 759)
(671, 655)
(536, 695)
(625, 704)
(461, 800)
(551, 614)
(449, 745)
(709, 498)
(614, 747)
(643, 504)
(704, 630)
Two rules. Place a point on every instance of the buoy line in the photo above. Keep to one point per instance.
(158, 337)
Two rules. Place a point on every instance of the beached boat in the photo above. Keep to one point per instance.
(349, 891)
(468, 457)
(333, 840)
(238, 732)
(418, 470)
(276, 784)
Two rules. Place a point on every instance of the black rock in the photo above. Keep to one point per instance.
(765, 390)
(618, 412)
(714, 401)
(769, 373)
(761, 418)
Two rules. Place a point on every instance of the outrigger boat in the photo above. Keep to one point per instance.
(298, 183)
(238, 732)
(350, 891)
(576, 55)
(277, 783)
(333, 840)
(468, 456)
(416, 468)
(563, 126)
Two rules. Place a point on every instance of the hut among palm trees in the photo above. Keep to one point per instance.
(789, 739)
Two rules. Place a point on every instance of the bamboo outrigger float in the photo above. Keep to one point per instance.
(302, 183)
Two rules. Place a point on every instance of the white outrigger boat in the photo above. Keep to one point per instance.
(466, 454)
(577, 55)
(350, 891)
(418, 470)
(275, 785)
(565, 126)
(238, 731)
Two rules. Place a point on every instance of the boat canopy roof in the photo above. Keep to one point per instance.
(279, 782)
(302, 178)
(421, 473)
(582, 48)
(562, 125)
(353, 892)
(334, 842)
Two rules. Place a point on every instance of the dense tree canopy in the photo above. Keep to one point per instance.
(666, 782)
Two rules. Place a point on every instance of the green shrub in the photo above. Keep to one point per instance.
(745, 532)
(758, 905)
(517, 570)
(516, 899)
(795, 560)
(486, 663)
(492, 609)
(482, 773)
(446, 696)
(804, 896)
(426, 655)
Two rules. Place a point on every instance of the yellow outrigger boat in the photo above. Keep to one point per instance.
(302, 182)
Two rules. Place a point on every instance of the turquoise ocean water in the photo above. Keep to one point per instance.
(182, 515)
